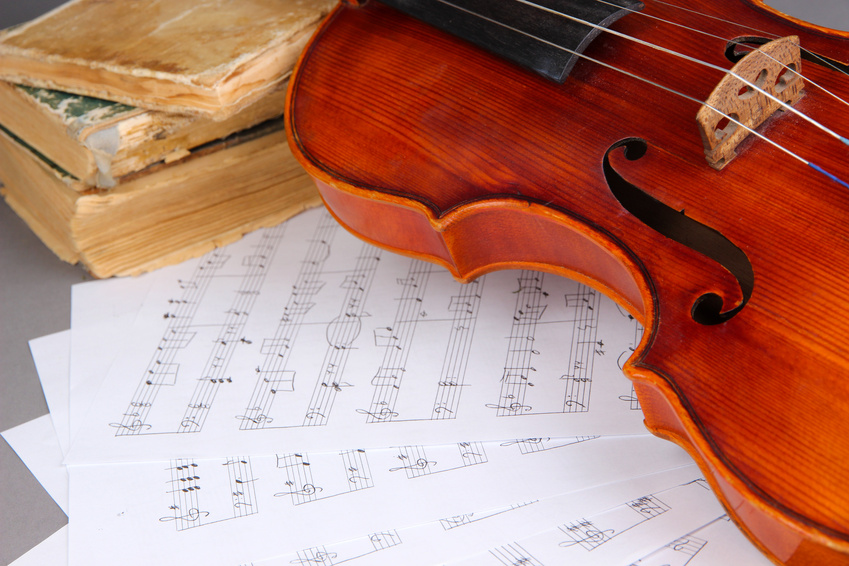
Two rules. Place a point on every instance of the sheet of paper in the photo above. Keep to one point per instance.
(102, 314)
(52, 357)
(53, 550)
(716, 542)
(303, 336)
(647, 516)
(617, 535)
(194, 508)
(37, 445)
(468, 534)
(430, 480)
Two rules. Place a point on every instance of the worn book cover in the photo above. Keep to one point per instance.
(211, 58)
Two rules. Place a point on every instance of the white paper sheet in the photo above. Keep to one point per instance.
(657, 528)
(303, 336)
(430, 480)
(53, 550)
(468, 534)
(604, 525)
(37, 445)
(717, 542)
(52, 357)
(102, 315)
(193, 507)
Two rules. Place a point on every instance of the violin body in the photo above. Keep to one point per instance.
(429, 146)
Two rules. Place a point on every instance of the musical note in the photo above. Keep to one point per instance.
(514, 555)
(349, 550)
(228, 491)
(310, 478)
(417, 461)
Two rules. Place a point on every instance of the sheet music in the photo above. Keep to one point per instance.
(511, 534)
(235, 503)
(637, 527)
(194, 507)
(196, 495)
(716, 542)
(102, 315)
(328, 483)
(303, 334)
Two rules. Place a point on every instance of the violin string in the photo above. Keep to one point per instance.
(657, 85)
(668, 51)
(823, 61)
(708, 34)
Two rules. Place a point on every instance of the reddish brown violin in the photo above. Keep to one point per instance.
(689, 161)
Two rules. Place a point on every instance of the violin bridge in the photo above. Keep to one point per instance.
(774, 69)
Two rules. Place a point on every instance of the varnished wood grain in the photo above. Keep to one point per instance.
(431, 147)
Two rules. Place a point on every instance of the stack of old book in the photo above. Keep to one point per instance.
(138, 134)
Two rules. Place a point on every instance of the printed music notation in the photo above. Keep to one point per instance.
(397, 342)
(194, 499)
(191, 506)
(272, 375)
(349, 550)
(230, 333)
(595, 531)
(360, 348)
(532, 445)
(341, 333)
(594, 537)
(631, 398)
(687, 550)
(584, 348)
(274, 381)
(464, 306)
(456, 521)
(520, 372)
(183, 327)
(324, 475)
(514, 554)
(417, 461)
(162, 370)
(688, 532)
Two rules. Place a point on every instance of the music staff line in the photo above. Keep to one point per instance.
(397, 342)
(162, 371)
(192, 507)
(532, 302)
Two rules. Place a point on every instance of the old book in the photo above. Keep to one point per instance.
(97, 140)
(164, 214)
(211, 57)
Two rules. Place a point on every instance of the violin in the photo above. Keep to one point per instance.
(689, 160)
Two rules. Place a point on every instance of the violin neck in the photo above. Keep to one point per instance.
(544, 36)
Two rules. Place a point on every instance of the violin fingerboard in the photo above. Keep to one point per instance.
(535, 35)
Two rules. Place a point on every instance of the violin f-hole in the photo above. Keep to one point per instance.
(674, 224)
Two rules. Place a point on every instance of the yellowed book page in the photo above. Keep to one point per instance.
(42, 197)
(185, 210)
(165, 214)
(210, 57)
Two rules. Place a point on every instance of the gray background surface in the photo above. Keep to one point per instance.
(35, 301)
